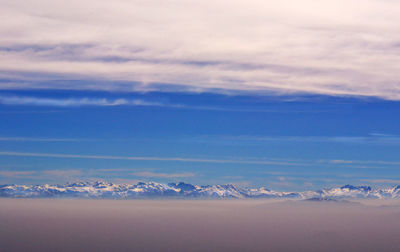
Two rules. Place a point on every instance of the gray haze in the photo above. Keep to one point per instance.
(183, 225)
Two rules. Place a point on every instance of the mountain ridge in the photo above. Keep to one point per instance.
(106, 190)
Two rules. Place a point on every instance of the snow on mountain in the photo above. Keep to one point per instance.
(101, 189)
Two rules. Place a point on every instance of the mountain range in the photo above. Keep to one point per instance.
(106, 190)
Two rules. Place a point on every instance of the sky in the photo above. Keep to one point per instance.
(292, 95)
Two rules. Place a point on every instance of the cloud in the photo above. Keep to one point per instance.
(75, 102)
(378, 162)
(62, 173)
(232, 177)
(147, 174)
(373, 138)
(343, 47)
(339, 161)
(45, 174)
(104, 102)
(33, 139)
(170, 159)
(114, 170)
(354, 164)
(382, 181)
(15, 174)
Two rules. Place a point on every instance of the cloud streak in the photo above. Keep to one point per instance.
(344, 47)
(15, 174)
(377, 162)
(147, 174)
(373, 138)
(76, 102)
(50, 175)
(172, 159)
(289, 162)
(34, 139)
(111, 102)
(382, 181)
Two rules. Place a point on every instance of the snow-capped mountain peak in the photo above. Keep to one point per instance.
(103, 189)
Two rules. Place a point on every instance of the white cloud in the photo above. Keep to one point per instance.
(86, 101)
(74, 102)
(343, 47)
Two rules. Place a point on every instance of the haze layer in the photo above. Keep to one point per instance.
(145, 225)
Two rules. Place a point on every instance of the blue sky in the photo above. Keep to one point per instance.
(283, 142)
(289, 94)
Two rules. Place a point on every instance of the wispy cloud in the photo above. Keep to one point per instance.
(76, 102)
(42, 174)
(170, 159)
(382, 181)
(147, 174)
(343, 47)
(35, 139)
(15, 174)
(377, 162)
(109, 102)
(62, 173)
(250, 161)
(373, 138)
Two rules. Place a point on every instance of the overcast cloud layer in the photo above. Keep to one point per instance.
(344, 47)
